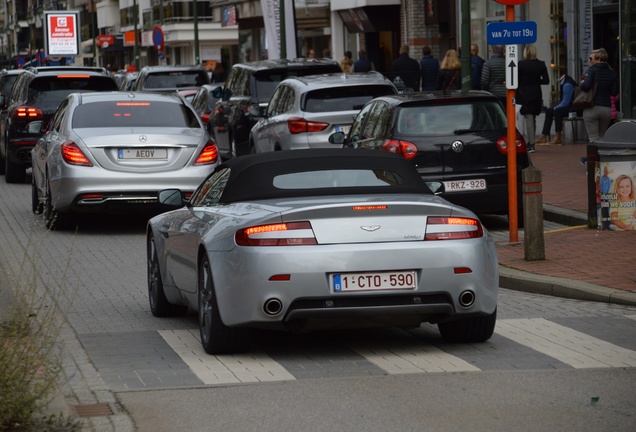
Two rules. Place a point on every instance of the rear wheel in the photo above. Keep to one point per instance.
(475, 329)
(53, 220)
(216, 337)
(36, 205)
(159, 304)
(2, 163)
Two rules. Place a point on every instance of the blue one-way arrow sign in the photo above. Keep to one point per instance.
(512, 32)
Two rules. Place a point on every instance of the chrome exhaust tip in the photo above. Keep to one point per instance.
(273, 307)
(467, 298)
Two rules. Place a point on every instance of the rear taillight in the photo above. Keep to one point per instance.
(502, 144)
(453, 228)
(28, 113)
(281, 234)
(72, 155)
(208, 155)
(299, 125)
(401, 147)
(205, 118)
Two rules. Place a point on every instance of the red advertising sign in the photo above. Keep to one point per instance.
(105, 40)
(62, 33)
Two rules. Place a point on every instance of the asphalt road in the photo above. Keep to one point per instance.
(553, 364)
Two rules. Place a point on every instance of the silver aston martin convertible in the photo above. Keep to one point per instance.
(320, 239)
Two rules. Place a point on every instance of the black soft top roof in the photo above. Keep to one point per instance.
(252, 176)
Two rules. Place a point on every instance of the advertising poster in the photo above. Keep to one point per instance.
(616, 196)
(62, 33)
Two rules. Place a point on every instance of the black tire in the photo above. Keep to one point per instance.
(36, 205)
(159, 304)
(475, 329)
(2, 165)
(54, 220)
(14, 173)
(216, 337)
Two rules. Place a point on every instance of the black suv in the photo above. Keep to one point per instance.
(171, 78)
(34, 98)
(459, 139)
(251, 85)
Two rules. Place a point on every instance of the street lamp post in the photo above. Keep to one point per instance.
(197, 59)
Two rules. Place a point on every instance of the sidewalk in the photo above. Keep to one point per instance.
(579, 262)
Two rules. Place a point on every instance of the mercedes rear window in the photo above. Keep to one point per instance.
(176, 79)
(345, 98)
(134, 113)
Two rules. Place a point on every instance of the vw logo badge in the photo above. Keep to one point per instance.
(143, 138)
(457, 146)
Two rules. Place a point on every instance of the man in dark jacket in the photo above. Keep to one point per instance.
(429, 68)
(493, 76)
(362, 64)
(476, 66)
(407, 68)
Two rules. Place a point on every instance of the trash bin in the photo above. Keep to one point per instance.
(615, 178)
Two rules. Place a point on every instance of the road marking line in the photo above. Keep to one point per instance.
(401, 358)
(566, 345)
(223, 369)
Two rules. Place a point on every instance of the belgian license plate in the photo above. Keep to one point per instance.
(396, 280)
(343, 129)
(464, 185)
(142, 154)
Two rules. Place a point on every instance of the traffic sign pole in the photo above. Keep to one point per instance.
(513, 220)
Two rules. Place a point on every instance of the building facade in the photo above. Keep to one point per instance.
(120, 32)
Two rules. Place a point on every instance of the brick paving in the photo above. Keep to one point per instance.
(605, 258)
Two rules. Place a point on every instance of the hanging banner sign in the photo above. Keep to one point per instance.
(62, 32)
(271, 17)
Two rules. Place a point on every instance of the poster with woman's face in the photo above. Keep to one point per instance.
(616, 195)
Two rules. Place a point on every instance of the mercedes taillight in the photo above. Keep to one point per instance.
(208, 155)
(72, 155)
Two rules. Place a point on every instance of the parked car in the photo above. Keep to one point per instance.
(7, 78)
(170, 78)
(250, 85)
(320, 238)
(128, 81)
(304, 111)
(204, 100)
(459, 139)
(188, 94)
(113, 152)
(35, 96)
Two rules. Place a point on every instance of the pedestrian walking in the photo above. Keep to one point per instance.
(533, 73)
(449, 77)
(556, 114)
(407, 68)
(598, 117)
(346, 63)
(493, 75)
(362, 64)
(476, 67)
(429, 69)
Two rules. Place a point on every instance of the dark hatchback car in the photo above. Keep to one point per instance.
(459, 139)
(252, 85)
(34, 98)
(170, 78)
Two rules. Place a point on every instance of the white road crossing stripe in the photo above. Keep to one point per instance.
(223, 369)
(564, 344)
(416, 358)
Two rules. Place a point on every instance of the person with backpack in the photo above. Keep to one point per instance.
(555, 114)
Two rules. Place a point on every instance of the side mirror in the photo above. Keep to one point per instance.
(337, 138)
(436, 187)
(35, 128)
(171, 197)
(218, 92)
(256, 111)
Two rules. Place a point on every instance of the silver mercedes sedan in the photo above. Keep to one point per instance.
(320, 239)
(113, 152)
